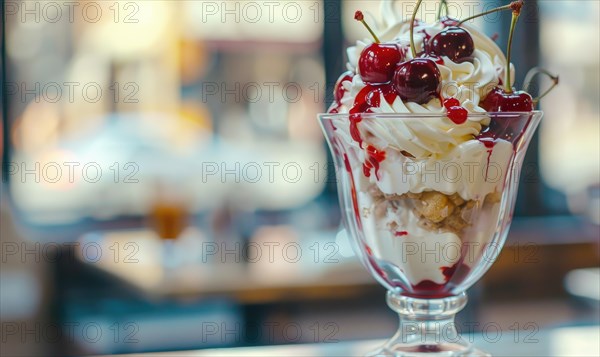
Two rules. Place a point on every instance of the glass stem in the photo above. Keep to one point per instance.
(426, 325)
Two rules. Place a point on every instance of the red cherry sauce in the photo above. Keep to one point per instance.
(509, 128)
(428, 348)
(401, 234)
(339, 91)
(489, 144)
(374, 158)
(428, 289)
(354, 132)
(370, 96)
(367, 98)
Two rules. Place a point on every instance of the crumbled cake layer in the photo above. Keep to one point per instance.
(436, 211)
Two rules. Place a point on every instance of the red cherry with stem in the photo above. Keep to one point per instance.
(377, 61)
(339, 90)
(501, 101)
(419, 79)
(507, 100)
(453, 42)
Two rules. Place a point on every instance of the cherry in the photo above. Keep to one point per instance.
(417, 80)
(339, 89)
(451, 102)
(377, 61)
(453, 42)
(373, 98)
(370, 96)
(501, 101)
(456, 113)
(507, 100)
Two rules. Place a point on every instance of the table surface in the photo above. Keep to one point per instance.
(567, 341)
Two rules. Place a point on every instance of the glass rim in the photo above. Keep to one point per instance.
(328, 116)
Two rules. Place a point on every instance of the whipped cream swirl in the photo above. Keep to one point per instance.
(468, 82)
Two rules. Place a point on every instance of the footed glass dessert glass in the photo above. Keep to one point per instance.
(428, 209)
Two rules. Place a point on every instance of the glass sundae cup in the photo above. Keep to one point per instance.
(427, 227)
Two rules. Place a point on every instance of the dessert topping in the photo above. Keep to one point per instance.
(378, 61)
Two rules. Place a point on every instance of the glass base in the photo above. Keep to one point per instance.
(384, 352)
(426, 328)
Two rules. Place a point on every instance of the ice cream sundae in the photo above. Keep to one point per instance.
(427, 188)
(428, 136)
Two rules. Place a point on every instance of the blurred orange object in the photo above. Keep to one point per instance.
(169, 218)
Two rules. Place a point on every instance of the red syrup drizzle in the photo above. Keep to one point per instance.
(428, 289)
(370, 96)
(338, 92)
(489, 143)
(428, 348)
(510, 129)
(354, 132)
(401, 234)
(367, 98)
(374, 158)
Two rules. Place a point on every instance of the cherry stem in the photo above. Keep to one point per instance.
(358, 16)
(443, 4)
(510, 6)
(515, 17)
(529, 78)
(412, 29)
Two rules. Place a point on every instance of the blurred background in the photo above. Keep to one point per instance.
(165, 183)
